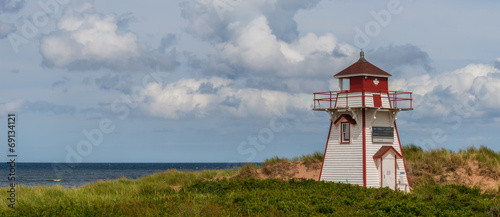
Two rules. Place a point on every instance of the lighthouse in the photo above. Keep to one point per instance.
(363, 145)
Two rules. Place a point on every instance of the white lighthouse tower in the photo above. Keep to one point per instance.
(363, 145)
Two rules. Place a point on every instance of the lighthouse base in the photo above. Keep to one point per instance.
(369, 154)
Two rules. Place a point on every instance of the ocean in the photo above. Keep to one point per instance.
(78, 174)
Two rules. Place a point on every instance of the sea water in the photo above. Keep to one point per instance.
(78, 174)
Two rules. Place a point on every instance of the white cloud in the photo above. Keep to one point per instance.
(261, 37)
(89, 37)
(9, 107)
(86, 39)
(256, 48)
(476, 88)
(185, 97)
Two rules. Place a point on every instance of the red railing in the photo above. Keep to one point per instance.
(330, 99)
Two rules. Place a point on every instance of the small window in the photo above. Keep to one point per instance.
(344, 84)
(345, 134)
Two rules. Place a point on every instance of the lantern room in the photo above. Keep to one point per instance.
(363, 76)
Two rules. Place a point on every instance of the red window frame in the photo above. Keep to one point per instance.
(342, 141)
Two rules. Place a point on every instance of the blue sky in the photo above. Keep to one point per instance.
(232, 80)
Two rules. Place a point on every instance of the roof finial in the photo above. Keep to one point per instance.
(362, 55)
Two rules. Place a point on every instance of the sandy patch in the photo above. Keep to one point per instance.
(284, 170)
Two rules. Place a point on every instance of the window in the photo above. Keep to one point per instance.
(344, 84)
(345, 134)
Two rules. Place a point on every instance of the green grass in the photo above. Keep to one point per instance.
(108, 194)
(178, 193)
(249, 197)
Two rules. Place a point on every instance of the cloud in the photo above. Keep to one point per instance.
(11, 6)
(166, 42)
(6, 29)
(261, 37)
(473, 89)
(125, 19)
(36, 106)
(61, 83)
(48, 107)
(394, 56)
(259, 51)
(114, 81)
(210, 19)
(10, 107)
(281, 17)
(86, 40)
(206, 97)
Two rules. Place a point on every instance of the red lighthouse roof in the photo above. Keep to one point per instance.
(362, 68)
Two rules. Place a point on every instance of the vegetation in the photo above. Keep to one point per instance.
(441, 166)
(307, 159)
(177, 193)
(250, 197)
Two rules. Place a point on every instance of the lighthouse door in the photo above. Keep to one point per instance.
(389, 171)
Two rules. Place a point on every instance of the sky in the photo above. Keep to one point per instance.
(233, 80)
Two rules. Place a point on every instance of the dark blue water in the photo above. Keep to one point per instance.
(74, 175)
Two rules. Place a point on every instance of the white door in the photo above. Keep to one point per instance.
(388, 171)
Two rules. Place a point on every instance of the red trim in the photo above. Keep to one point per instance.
(384, 149)
(395, 174)
(347, 117)
(364, 149)
(331, 97)
(381, 173)
(335, 100)
(389, 99)
(400, 148)
(326, 147)
(342, 133)
(363, 96)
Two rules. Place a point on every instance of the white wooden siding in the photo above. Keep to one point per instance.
(385, 100)
(356, 100)
(372, 169)
(353, 100)
(402, 178)
(368, 99)
(344, 162)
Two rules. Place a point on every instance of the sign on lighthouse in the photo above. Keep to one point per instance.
(363, 145)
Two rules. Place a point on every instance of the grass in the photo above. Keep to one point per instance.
(178, 193)
(110, 193)
(249, 197)
(308, 158)
(431, 167)
(484, 155)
